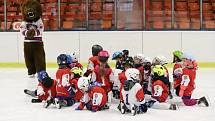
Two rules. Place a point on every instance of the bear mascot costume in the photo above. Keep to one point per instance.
(32, 29)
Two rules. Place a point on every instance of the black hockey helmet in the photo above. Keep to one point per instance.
(125, 53)
(128, 61)
(96, 49)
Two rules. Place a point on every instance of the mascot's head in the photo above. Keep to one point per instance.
(31, 10)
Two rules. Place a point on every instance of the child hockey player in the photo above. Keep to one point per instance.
(46, 88)
(138, 64)
(93, 61)
(102, 74)
(160, 90)
(125, 54)
(147, 63)
(65, 93)
(161, 60)
(184, 81)
(75, 75)
(75, 62)
(127, 63)
(177, 59)
(118, 57)
(132, 95)
(94, 97)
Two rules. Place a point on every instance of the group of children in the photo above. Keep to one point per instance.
(138, 82)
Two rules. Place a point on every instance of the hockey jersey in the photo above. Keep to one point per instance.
(63, 77)
(37, 26)
(92, 63)
(106, 81)
(160, 90)
(46, 92)
(95, 99)
(134, 96)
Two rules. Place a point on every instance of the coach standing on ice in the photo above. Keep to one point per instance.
(31, 29)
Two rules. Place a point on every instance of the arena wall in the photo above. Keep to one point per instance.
(200, 44)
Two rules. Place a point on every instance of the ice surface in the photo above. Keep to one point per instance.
(16, 106)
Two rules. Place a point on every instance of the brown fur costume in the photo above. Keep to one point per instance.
(31, 29)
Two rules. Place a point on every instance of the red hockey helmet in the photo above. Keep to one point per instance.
(103, 56)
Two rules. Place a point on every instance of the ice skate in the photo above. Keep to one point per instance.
(173, 107)
(29, 92)
(48, 103)
(133, 110)
(203, 101)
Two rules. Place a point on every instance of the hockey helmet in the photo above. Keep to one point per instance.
(42, 75)
(83, 83)
(158, 71)
(139, 59)
(125, 53)
(178, 54)
(77, 72)
(132, 74)
(96, 49)
(116, 55)
(147, 63)
(69, 59)
(44, 78)
(188, 60)
(128, 61)
(103, 56)
(159, 60)
(74, 57)
(64, 60)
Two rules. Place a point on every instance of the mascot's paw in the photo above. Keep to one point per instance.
(31, 33)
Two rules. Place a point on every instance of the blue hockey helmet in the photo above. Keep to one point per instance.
(42, 75)
(64, 59)
(44, 78)
(116, 55)
(69, 59)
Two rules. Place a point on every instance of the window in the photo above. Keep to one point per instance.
(101, 15)
(115, 14)
(208, 14)
(1, 15)
(158, 14)
(73, 15)
(130, 15)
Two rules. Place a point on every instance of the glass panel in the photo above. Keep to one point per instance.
(181, 20)
(208, 14)
(50, 14)
(14, 16)
(101, 14)
(158, 14)
(73, 14)
(1, 15)
(130, 14)
(194, 14)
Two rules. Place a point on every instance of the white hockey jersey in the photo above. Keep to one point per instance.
(135, 96)
(37, 26)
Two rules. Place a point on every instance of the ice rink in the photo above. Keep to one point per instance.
(16, 106)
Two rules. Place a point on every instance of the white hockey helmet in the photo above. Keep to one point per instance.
(132, 74)
(147, 60)
(159, 60)
(83, 83)
(74, 57)
(139, 58)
